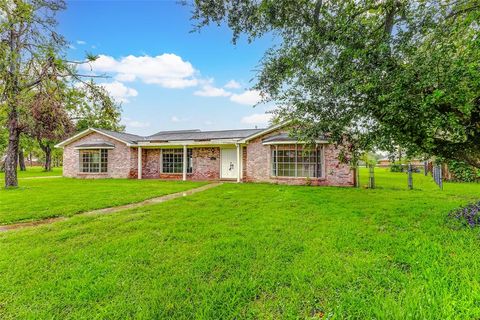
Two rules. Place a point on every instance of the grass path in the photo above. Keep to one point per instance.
(112, 209)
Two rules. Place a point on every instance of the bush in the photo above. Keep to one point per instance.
(468, 216)
(462, 172)
(396, 167)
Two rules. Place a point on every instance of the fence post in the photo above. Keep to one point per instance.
(410, 178)
(440, 177)
(357, 176)
(425, 168)
(371, 177)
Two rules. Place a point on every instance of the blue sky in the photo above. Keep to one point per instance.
(166, 77)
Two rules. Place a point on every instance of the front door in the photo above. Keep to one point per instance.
(229, 168)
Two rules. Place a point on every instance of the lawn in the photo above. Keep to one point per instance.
(254, 251)
(52, 197)
(34, 172)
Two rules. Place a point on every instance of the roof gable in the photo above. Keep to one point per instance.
(121, 137)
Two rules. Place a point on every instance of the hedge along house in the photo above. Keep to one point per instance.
(249, 155)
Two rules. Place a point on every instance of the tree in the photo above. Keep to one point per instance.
(370, 73)
(28, 55)
(50, 121)
(91, 106)
(31, 63)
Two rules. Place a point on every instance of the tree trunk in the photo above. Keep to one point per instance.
(12, 90)
(12, 155)
(48, 158)
(21, 160)
(30, 158)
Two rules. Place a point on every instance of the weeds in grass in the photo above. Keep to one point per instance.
(467, 216)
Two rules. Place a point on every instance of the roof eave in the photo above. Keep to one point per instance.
(263, 132)
(86, 132)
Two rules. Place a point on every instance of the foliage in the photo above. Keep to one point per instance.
(467, 216)
(244, 251)
(32, 68)
(30, 51)
(377, 73)
(396, 167)
(463, 172)
(91, 106)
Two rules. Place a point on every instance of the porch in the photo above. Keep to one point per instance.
(190, 161)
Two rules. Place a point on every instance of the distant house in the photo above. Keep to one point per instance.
(248, 155)
(385, 162)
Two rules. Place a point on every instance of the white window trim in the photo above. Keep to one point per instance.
(175, 173)
(80, 162)
(320, 148)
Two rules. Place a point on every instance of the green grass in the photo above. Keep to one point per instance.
(254, 251)
(45, 198)
(34, 172)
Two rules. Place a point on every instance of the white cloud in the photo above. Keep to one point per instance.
(211, 91)
(249, 97)
(257, 118)
(119, 91)
(125, 77)
(167, 70)
(81, 42)
(232, 84)
(135, 124)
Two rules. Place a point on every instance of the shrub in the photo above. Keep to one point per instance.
(396, 167)
(462, 172)
(468, 216)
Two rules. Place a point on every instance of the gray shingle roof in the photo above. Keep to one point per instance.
(183, 135)
(127, 137)
(284, 137)
(202, 135)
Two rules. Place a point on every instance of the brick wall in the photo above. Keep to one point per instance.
(258, 162)
(206, 165)
(118, 158)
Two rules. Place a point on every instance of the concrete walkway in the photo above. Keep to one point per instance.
(156, 200)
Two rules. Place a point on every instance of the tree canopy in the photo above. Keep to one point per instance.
(373, 73)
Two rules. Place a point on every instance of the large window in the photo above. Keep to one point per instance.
(293, 160)
(172, 160)
(93, 161)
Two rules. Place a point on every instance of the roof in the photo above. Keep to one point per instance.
(95, 145)
(202, 135)
(285, 137)
(279, 137)
(233, 136)
(175, 131)
(126, 137)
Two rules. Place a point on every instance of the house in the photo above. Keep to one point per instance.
(248, 155)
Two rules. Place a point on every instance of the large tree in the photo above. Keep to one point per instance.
(384, 73)
(28, 56)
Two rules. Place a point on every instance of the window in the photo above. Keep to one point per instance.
(95, 160)
(293, 160)
(172, 160)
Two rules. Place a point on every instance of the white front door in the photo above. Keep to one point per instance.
(229, 168)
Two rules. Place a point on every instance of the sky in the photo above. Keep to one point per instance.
(165, 76)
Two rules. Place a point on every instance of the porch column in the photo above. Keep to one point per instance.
(239, 163)
(185, 162)
(139, 164)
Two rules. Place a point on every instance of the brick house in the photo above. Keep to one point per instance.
(249, 155)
